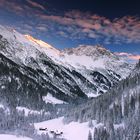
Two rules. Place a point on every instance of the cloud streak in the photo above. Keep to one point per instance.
(129, 55)
(36, 5)
(11, 6)
(29, 7)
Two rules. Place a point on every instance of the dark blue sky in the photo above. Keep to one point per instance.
(67, 23)
(108, 8)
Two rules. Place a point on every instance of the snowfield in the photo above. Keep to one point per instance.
(50, 99)
(71, 131)
(12, 137)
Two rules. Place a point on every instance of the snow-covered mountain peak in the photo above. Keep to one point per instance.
(95, 58)
(91, 69)
(40, 43)
(21, 48)
(89, 50)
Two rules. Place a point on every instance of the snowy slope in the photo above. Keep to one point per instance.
(71, 131)
(95, 57)
(100, 66)
(82, 71)
(50, 99)
(23, 47)
(82, 57)
(12, 137)
(44, 47)
(124, 98)
(85, 57)
(33, 55)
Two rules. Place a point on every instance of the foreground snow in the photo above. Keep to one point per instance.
(71, 131)
(12, 137)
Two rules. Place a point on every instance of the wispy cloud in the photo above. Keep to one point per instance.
(135, 57)
(129, 55)
(23, 9)
(41, 28)
(11, 6)
(83, 23)
(122, 30)
(36, 5)
(75, 24)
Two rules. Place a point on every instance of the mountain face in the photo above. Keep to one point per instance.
(34, 68)
(116, 113)
(96, 57)
(88, 50)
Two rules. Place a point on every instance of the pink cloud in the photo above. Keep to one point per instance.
(121, 30)
(135, 57)
(59, 19)
(12, 6)
(86, 24)
(83, 23)
(125, 29)
(21, 9)
(123, 54)
(36, 5)
(129, 55)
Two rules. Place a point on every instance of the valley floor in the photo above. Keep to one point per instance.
(71, 131)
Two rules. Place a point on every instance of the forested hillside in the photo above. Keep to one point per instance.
(117, 112)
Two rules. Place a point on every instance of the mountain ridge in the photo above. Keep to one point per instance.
(74, 75)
